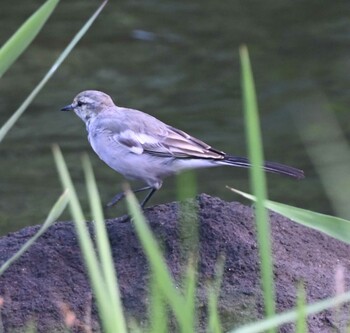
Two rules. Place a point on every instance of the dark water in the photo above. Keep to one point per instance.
(177, 60)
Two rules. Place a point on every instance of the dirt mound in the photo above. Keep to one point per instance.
(50, 278)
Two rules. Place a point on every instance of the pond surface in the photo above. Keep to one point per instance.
(177, 60)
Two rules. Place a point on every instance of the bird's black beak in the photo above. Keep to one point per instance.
(69, 107)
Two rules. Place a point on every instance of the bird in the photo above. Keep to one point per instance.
(141, 147)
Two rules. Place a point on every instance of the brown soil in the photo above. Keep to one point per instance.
(50, 278)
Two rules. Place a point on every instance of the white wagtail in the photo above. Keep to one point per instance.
(141, 147)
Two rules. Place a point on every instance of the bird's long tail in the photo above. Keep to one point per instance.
(268, 166)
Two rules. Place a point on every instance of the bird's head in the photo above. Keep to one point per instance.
(89, 103)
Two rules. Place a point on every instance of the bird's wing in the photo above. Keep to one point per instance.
(184, 145)
(167, 142)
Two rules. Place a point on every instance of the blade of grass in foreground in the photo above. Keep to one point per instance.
(20, 40)
(109, 319)
(258, 180)
(327, 145)
(189, 287)
(301, 325)
(214, 323)
(330, 225)
(292, 316)
(103, 245)
(157, 311)
(54, 214)
(186, 186)
(12, 120)
(158, 265)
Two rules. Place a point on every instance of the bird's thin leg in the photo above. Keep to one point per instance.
(148, 196)
(121, 195)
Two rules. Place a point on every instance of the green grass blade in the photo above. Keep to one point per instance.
(321, 131)
(16, 115)
(258, 181)
(189, 285)
(292, 316)
(15, 46)
(186, 185)
(54, 213)
(158, 312)
(214, 323)
(188, 224)
(104, 249)
(158, 265)
(330, 225)
(301, 322)
(97, 281)
(134, 326)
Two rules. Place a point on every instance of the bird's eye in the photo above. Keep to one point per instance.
(80, 103)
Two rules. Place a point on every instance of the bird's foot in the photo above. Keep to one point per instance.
(115, 199)
(125, 219)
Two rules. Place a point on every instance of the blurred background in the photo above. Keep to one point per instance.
(178, 60)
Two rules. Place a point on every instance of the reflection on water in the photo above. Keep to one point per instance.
(179, 62)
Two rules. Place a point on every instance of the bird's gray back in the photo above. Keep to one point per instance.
(119, 119)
